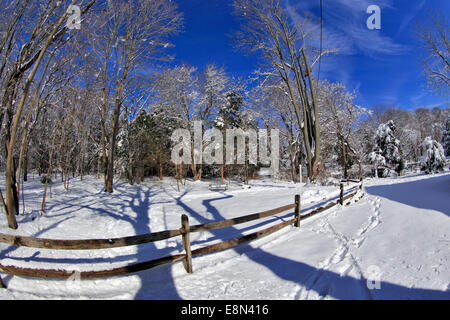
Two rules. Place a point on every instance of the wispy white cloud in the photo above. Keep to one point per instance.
(373, 43)
(409, 16)
(344, 28)
(376, 63)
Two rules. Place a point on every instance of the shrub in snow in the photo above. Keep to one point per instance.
(387, 149)
(433, 159)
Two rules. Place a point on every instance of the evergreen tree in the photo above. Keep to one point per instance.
(229, 114)
(387, 148)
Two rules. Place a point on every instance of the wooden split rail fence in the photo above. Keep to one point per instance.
(184, 231)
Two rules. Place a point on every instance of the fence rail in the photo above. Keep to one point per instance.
(184, 231)
(87, 244)
(238, 220)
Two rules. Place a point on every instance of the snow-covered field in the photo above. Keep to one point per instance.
(392, 244)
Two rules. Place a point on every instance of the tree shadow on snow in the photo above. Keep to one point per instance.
(432, 193)
(138, 199)
(153, 280)
(331, 284)
(309, 278)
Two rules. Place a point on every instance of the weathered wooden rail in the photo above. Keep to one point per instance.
(184, 231)
(87, 244)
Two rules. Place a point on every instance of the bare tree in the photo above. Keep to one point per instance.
(284, 40)
(47, 28)
(433, 35)
(341, 117)
(273, 104)
(137, 96)
(133, 34)
(213, 97)
(179, 94)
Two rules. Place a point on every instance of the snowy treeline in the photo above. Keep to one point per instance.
(105, 99)
(68, 122)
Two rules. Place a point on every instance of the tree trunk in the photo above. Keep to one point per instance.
(49, 172)
(316, 127)
(177, 174)
(25, 165)
(82, 156)
(12, 202)
(112, 142)
(130, 168)
(103, 117)
(138, 177)
(109, 175)
(181, 173)
(344, 158)
(293, 166)
(359, 170)
(99, 162)
(199, 172)
(245, 172)
(67, 176)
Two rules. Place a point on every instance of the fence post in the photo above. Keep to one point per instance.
(186, 243)
(341, 196)
(297, 211)
(361, 185)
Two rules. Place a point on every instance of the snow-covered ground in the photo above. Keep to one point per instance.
(392, 244)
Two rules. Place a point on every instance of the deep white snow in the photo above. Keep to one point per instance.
(392, 244)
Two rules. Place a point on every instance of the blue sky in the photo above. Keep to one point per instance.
(381, 65)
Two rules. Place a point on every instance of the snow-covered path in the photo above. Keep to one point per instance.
(396, 239)
(404, 248)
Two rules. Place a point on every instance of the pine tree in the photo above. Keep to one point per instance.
(230, 112)
(387, 148)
